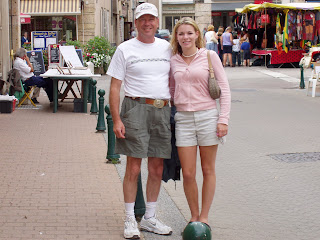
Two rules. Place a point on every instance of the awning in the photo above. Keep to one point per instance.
(50, 7)
(178, 12)
(301, 6)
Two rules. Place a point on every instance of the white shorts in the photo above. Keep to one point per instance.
(197, 128)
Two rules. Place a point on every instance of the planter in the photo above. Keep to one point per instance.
(99, 70)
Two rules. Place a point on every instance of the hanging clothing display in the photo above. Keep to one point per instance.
(299, 25)
(292, 30)
(309, 25)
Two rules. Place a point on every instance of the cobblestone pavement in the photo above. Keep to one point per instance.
(268, 171)
(54, 183)
(258, 196)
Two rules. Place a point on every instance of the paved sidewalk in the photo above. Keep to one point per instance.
(54, 182)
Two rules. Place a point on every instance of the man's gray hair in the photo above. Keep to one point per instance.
(20, 52)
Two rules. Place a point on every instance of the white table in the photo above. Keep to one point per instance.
(84, 75)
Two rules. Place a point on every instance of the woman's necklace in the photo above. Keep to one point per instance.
(186, 56)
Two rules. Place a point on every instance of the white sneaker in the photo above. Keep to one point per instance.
(131, 230)
(154, 225)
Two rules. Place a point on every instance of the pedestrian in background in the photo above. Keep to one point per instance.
(24, 38)
(198, 122)
(226, 45)
(142, 127)
(24, 66)
(236, 51)
(245, 46)
(219, 34)
(211, 39)
(133, 33)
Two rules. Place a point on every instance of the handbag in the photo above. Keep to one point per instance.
(213, 38)
(214, 89)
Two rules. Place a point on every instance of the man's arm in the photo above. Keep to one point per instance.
(29, 63)
(114, 101)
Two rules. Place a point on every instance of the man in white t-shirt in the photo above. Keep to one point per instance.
(142, 127)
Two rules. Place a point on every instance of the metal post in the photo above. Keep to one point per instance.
(94, 107)
(111, 156)
(140, 206)
(90, 91)
(302, 86)
(101, 126)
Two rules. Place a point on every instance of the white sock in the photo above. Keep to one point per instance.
(129, 207)
(150, 209)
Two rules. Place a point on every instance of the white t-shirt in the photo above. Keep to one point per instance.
(23, 68)
(208, 36)
(236, 46)
(143, 68)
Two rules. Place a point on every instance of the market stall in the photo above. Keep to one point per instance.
(281, 33)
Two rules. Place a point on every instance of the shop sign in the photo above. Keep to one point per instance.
(231, 13)
(25, 19)
(56, 23)
(216, 14)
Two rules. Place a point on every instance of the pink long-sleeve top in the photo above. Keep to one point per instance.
(189, 84)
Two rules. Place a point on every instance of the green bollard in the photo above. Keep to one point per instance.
(94, 107)
(111, 156)
(302, 86)
(101, 126)
(140, 206)
(196, 231)
(90, 91)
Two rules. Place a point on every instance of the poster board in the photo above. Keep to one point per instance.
(53, 55)
(40, 40)
(36, 58)
(79, 52)
(69, 54)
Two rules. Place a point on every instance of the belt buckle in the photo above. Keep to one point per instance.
(158, 103)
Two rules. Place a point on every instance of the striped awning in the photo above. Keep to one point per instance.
(50, 7)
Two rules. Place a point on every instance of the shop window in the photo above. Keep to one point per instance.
(168, 23)
(66, 26)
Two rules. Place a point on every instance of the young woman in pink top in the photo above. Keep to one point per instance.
(198, 122)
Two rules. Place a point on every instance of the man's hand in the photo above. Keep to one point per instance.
(119, 129)
(222, 129)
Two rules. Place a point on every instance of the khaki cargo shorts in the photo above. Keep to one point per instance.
(147, 130)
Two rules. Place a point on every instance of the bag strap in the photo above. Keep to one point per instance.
(210, 65)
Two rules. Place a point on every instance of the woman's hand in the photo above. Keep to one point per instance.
(222, 129)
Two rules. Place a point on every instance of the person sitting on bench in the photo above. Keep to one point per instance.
(25, 68)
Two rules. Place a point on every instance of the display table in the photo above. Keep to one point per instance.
(77, 75)
(292, 56)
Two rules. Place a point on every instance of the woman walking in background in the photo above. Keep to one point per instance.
(198, 122)
(219, 34)
(211, 39)
(227, 42)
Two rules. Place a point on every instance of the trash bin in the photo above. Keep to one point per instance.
(78, 105)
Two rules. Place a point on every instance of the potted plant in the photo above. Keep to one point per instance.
(99, 51)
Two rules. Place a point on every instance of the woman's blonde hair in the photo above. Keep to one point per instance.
(176, 48)
(220, 30)
(210, 28)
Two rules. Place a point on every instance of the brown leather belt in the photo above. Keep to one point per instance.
(158, 103)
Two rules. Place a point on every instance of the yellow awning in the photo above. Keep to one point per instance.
(50, 7)
(297, 6)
